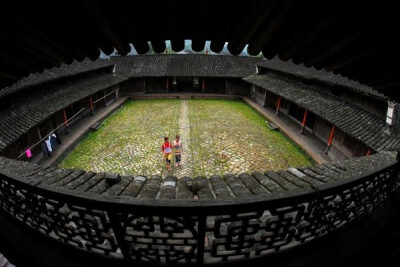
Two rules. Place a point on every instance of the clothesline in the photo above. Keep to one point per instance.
(41, 140)
(105, 96)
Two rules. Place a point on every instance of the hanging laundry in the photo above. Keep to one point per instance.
(53, 141)
(48, 144)
(28, 153)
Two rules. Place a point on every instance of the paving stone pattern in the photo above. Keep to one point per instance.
(218, 137)
(229, 137)
(130, 140)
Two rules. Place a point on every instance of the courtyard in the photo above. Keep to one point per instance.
(218, 137)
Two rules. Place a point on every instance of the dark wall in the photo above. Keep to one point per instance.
(156, 85)
(259, 96)
(214, 85)
(236, 86)
(230, 86)
(133, 86)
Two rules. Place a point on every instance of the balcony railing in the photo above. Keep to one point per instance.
(194, 231)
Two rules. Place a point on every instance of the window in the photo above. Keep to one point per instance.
(195, 82)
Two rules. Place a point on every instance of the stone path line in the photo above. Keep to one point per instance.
(184, 132)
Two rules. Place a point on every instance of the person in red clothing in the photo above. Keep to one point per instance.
(166, 149)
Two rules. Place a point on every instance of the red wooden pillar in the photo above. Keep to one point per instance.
(303, 124)
(203, 85)
(278, 105)
(369, 152)
(66, 121)
(91, 105)
(330, 140)
(167, 84)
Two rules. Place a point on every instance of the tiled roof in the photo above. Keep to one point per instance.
(185, 65)
(288, 67)
(146, 66)
(64, 71)
(18, 120)
(353, 120)
(228, 186)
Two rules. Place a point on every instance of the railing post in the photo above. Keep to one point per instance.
(201, 236)
(115, 221)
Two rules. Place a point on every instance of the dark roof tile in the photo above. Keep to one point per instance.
(230, 186)
(185, 65)
(351, 119)
(64, 71)
(278, 66)
(17, 121)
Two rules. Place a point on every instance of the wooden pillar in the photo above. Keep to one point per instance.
(91, 105)
(105, 98)
(278, 105)
(330, 139)
(369, 152)
(303, 124)
(66, 121)
(203, 85)
(167, 84)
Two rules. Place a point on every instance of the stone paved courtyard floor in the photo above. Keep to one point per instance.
(218, 137)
